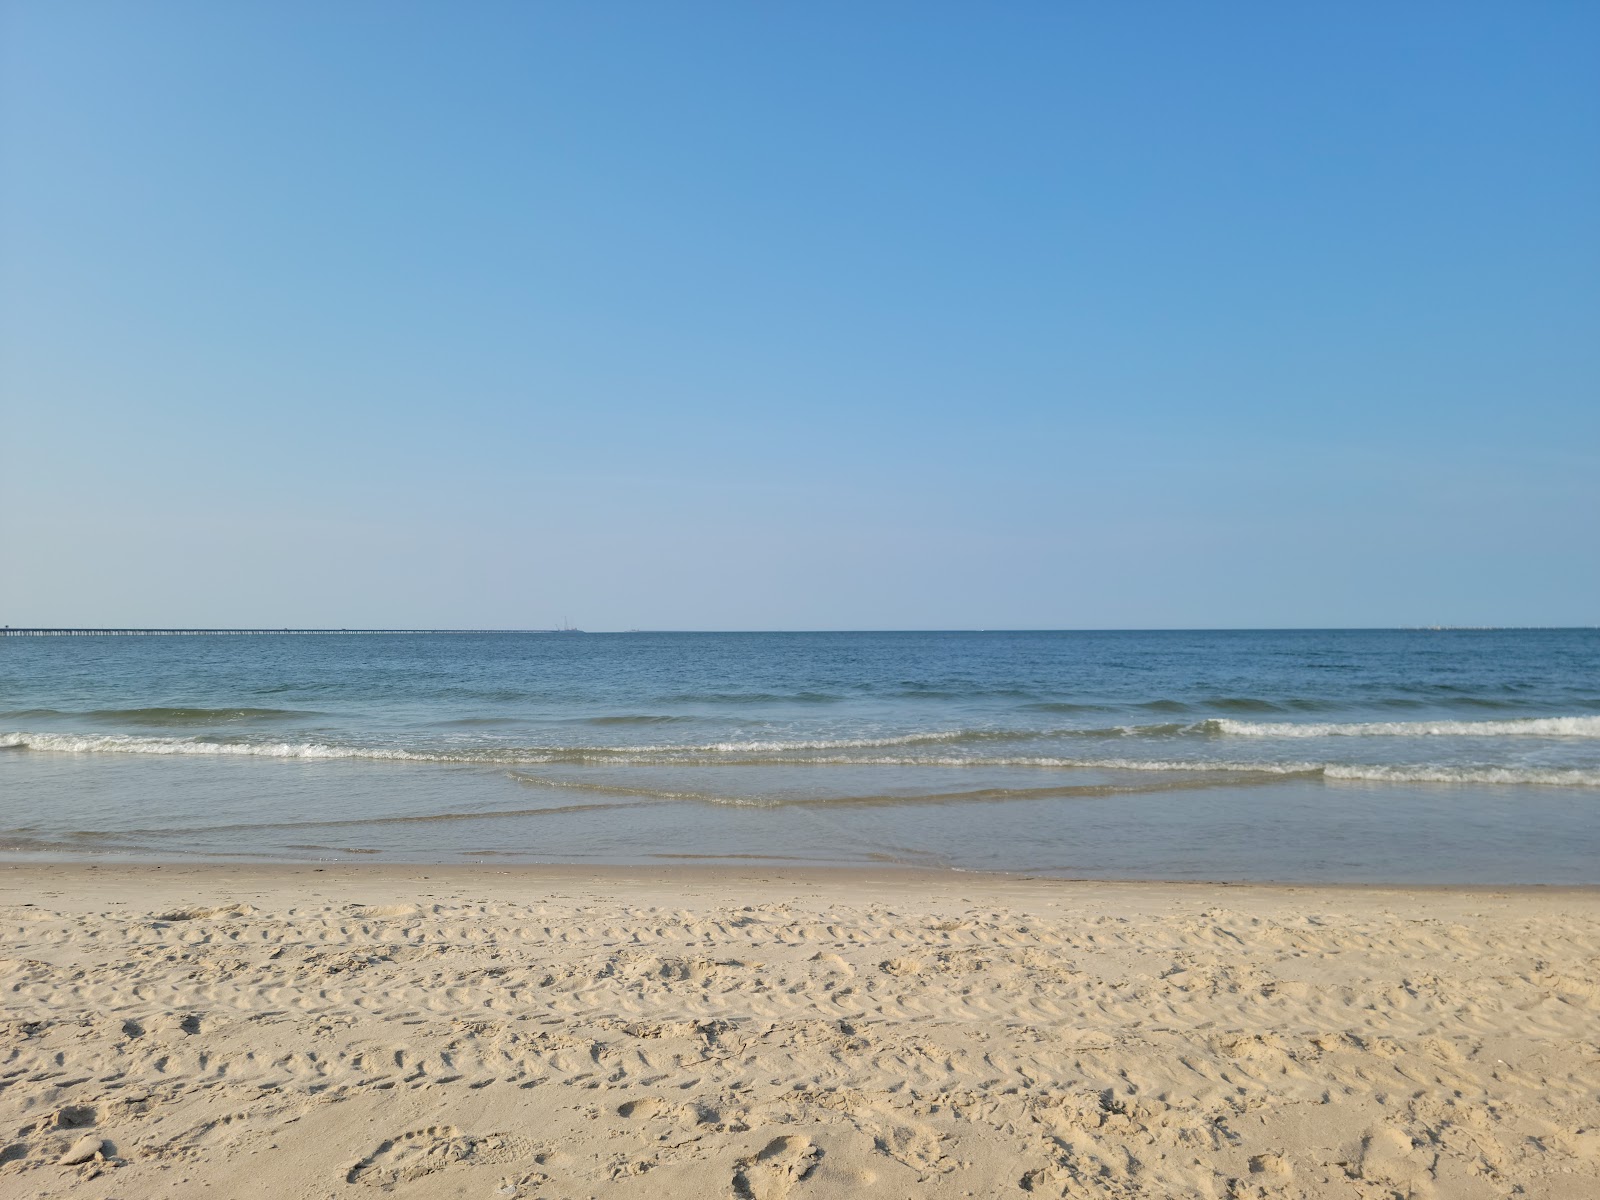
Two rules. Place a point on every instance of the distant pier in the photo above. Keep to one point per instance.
(8, 631)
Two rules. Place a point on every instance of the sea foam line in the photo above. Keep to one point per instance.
(717, 755)
(134, 744)
(1584, 727)
(121, 743)
(1548, 727)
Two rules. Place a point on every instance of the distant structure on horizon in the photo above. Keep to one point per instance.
(8, 631)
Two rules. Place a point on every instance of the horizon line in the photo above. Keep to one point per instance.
(267, 631)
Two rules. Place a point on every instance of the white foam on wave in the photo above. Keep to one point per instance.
(1411, 773)
(121, 743)
(1543, 776)
(1583, 727)
(1419, 773)
(687, 756)
(132, 744)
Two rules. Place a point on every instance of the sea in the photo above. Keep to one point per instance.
(1359, 756)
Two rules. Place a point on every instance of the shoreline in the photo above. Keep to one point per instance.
(719, 874)
(273, 812)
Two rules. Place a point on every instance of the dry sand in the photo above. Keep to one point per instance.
(544, 1032)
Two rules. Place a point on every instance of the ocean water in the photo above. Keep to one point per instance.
(1401, 756)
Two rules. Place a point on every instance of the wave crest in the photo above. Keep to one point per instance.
(1583, 727)
(802, 754)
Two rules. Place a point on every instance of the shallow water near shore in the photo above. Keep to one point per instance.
(1398, 756)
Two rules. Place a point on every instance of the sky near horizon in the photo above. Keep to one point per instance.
(808, 316)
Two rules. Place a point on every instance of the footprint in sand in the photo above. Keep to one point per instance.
(770, 1175)
(1390, 1158)
(643, 1109)
(424, 1151)
(918, 1149)
(73, 1116)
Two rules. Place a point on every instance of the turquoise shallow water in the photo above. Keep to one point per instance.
(1320, 755)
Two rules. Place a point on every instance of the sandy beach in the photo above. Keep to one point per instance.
(566, 1032)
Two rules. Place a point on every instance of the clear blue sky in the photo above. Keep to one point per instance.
(800, 315)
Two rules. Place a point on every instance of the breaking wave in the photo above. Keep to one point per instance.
(1583, 727)
(122, 743)
(760, 754)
